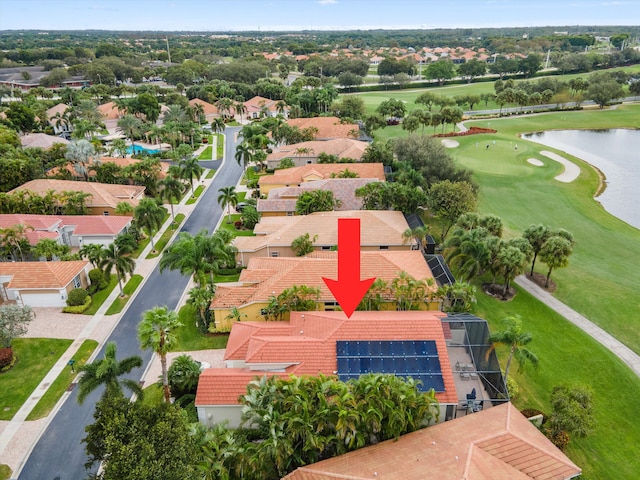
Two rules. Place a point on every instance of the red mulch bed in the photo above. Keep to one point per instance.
(471, 131)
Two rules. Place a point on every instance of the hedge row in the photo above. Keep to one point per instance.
(79, 308)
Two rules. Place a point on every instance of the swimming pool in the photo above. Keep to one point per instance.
(140, 149)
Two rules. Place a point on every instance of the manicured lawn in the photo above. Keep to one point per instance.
(60, 385)
(5, 472)
(569, 356)
(373, 99)
(101, 296)
(190, 338)
(219, 146)
(130, 287)
(206, 153)
(35, 357)
(196, 194)
(210, 173)
(226, 278)
(166, 236)
(153, 394)
(601, 281)
(231, 227)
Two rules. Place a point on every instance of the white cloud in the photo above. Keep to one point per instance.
(327, 2)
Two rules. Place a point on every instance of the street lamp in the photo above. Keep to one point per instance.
(99, 78)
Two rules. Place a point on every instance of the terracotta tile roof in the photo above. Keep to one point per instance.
(59, 108)
(456, 450)
(35, 275)
(377, 227)
(223, 386)
(33, 237)
(308, 342)
(344, 189)
(328, 127)
(41, 140)
(97, 224)
(284, 272)
(102, 194)
(257, 103)
(340, 147)
(319, 171)
(109, 111)
(38, 222)
(209, 109)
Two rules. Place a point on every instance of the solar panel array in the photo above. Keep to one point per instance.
(417, 359)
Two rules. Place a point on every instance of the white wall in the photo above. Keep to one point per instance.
(213, 415)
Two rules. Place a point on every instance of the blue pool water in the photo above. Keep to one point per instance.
(139, 149)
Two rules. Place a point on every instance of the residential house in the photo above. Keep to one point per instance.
(59, 120)
(497, 444)
(267, 277)
(42, 284)
(308, 152)
(209, 110)
(41, 140)
(410, 343)
(328, 127)
(282, 201)
(26, 78)
(103, 197)
(120, 161)
(296, 176)
(381, 230)
(71, 230)
(258, 107)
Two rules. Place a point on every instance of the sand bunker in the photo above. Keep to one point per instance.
(450, 143)
(535, 161)
(571, 170)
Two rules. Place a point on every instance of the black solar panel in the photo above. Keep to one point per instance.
(417, 359)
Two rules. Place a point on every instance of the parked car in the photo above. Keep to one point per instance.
(241, 206)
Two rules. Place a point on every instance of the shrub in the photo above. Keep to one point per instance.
(238, 225)
(79, 308)
(77, 296)
(512, 388)
(98, 282)
(215, 329)
(7, 359)
(559, 439)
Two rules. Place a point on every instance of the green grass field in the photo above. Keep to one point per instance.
(34, 359)
(600, 282)
(373, 99)
(60, 384)
(190, 338)
(101, 296)
(198, 191)
(5, 472)
(224, 225)
(206, 153)
(166, 236)
(130, 287)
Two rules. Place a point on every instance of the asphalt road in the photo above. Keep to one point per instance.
(59, 453)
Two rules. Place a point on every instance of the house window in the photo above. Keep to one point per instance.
(105, 213)
(275, 254)
(77, 283)
(289, 214)
(326, 247)
(384, 247)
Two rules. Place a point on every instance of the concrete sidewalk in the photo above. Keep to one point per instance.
(618, 348)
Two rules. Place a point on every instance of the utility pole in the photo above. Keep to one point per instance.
(168, 52)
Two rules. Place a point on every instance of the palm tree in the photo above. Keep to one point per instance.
(244, 154)
(81, 153)
(228, 198)
(200, 298)
(171, 191)
(555, 253)
(515, 339)
(92, 252)
(114, 257)
(235, 315)
(175, 113)
(106, 372)
(130, 126)
(155, 332)
(190, 168)
(149, 216)
(511, 261)
(218, 125)
(537, 235)
(16, 238)
(417, 234)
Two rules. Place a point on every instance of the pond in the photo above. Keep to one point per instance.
(616, 153)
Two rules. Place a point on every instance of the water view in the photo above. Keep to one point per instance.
(616, 153)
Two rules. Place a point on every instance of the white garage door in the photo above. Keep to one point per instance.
(43, 300)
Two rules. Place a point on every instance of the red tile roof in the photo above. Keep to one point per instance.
(307, 344)
(34, 275)
(340, 147)
(494, 444)
(319, 171)
(328, 127)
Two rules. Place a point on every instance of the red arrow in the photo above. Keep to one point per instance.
(348, 290)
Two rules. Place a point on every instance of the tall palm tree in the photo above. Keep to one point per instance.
(149, 216)
(114, 257)
(244, 154)
(106, 372)
(82, 153)
(16, 238)
(130, 126)
(155, 332)
(419, 234)
(190, 168)
(200, 298)
(92, 252)
(218, 125)
(555, 253)
(175, 113)
(515, 339)
(171, 191)
(228, 198)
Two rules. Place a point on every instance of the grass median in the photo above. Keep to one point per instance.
(62, 383)
(99, 297)
(195, 195)
(130, 287)
(34, 358)
(166, 236)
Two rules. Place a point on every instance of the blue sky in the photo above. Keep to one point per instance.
(217, 15)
